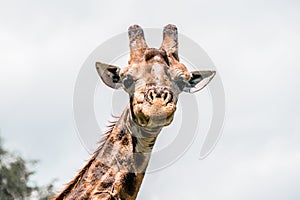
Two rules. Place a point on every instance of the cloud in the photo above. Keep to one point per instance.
(253, 45)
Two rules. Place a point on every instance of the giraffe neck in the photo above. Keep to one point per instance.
(117, 168)
(145, 137)
(141, 139)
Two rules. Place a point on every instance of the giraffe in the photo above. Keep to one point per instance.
(153, 79)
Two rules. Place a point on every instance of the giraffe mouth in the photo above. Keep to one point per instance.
(153, 116)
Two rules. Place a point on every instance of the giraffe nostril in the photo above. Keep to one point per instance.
(150, 95)
(164, 95)
(167, 96)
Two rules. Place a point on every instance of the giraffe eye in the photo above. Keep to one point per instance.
(128, 81)
(181, 84)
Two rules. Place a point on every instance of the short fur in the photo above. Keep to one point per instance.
(154, 78)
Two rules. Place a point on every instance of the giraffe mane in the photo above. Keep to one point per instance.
(73, 183)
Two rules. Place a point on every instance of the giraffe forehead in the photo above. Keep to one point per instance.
(154, 74)
(149, 71)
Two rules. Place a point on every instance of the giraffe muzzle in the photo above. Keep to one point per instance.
(159, 95)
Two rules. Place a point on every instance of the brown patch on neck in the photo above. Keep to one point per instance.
(116, 170)
(75, 182)
(129, 182)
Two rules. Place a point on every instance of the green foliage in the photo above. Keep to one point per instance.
(15, 178)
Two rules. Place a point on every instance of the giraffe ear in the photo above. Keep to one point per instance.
(199, 79)
(109, 74)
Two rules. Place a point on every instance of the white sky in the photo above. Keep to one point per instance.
(254, 45)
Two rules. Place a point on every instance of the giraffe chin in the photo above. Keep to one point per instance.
(153, 117)
(152, 122)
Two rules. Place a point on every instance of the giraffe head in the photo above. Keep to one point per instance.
(154, 78)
